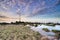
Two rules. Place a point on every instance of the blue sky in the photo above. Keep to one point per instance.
(30, 10)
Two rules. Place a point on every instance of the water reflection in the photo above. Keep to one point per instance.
(42, 32)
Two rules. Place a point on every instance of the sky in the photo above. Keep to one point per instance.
(30, 10)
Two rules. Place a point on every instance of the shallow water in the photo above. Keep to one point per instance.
(42, 32)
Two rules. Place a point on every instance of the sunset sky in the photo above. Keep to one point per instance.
(30, 10)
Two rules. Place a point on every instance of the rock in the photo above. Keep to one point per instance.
(44, 38)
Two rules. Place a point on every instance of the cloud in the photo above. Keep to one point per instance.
(58, 2)
(43, 8)
(7, 4)
(7, 19)
(3, 16)
(1, 0)
(8, 14)
(24, 6)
